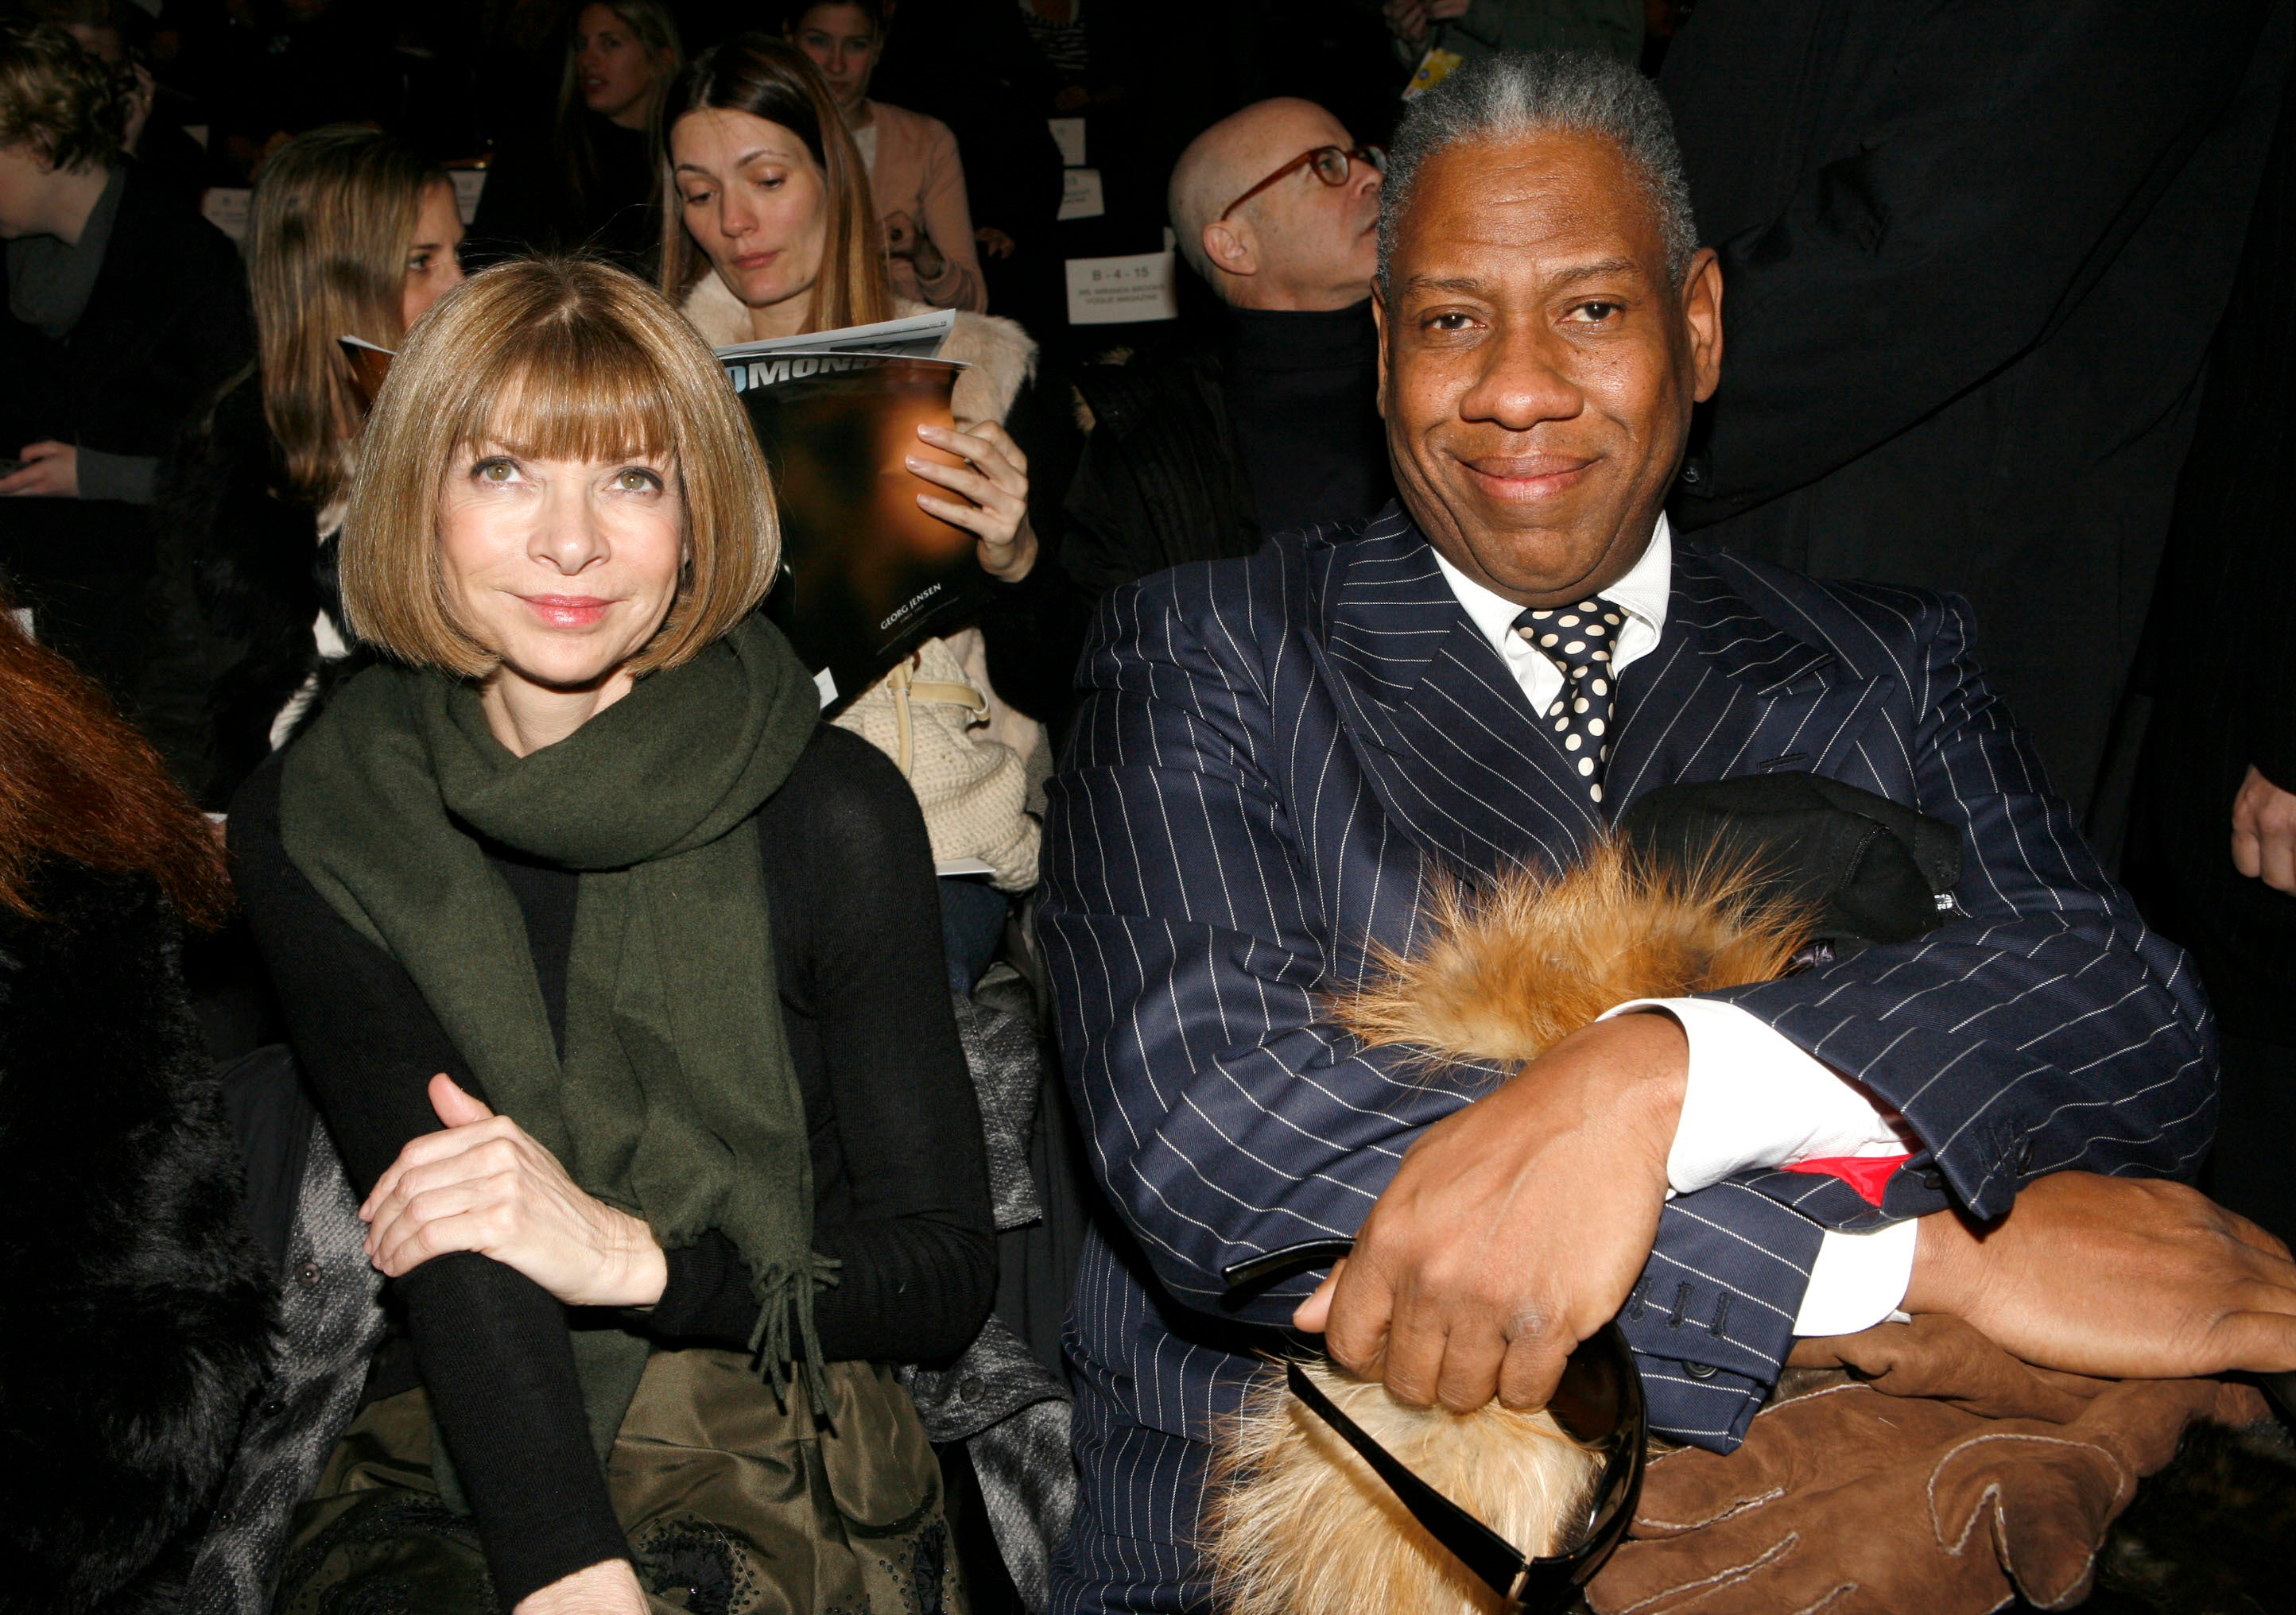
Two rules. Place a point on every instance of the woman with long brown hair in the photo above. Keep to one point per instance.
(138, 1311)
(592, 187)
(772, 232)
(352, 233)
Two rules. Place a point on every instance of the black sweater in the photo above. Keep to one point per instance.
(1303, 399)
(901, 1172)
(529, 203)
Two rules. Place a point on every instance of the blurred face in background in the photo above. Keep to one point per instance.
(845, 45)
(24, 192)
(754, 200)
(618, 78)
(434, 266)
(38, 200)
(99, 41)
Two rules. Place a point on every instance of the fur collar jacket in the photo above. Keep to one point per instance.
(138, 1311)
(1003, 357)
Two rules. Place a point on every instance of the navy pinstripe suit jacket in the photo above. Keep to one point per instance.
(1270, 753)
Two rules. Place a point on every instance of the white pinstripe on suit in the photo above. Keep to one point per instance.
(1270, 753)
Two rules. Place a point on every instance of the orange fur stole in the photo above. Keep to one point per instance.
(1295, 1524)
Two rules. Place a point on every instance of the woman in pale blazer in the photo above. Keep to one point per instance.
(915, 174)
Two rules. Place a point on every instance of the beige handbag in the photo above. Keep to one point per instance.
(934, 717)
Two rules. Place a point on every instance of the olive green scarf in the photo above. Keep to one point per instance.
(674, 1099)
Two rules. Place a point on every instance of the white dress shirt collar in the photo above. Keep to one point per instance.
(1640, 593)
(1753, 1099)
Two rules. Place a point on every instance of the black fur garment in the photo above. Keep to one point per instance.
(134, 1310)
(2213, 1534)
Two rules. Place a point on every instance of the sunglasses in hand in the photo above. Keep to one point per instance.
(1598, 1402)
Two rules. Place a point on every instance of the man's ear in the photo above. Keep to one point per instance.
(1701, 313)
(1228, 244)
(1379, 323)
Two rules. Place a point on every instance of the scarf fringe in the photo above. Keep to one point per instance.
(785, 1294)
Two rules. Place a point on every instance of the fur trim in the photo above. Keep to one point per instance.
(711, 308)
(1003, 357)
(1510, 969)
(139, 1315)
(1295, 1524)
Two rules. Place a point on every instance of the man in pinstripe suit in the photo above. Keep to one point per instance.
(1272, 753)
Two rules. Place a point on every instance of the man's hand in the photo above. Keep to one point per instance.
(1515, 1228)
(2264, 832)
(51, 470)
(2122, 1277)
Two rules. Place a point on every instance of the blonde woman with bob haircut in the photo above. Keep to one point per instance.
(770, 233)
(617, 978)
(351, 232)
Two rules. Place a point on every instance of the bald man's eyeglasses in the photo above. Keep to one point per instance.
(1333, 165)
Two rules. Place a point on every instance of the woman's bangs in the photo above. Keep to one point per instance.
(574, 394)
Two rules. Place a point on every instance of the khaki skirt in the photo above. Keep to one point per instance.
(734, 1504)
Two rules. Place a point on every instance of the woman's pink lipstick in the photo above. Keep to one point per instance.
(568, 610)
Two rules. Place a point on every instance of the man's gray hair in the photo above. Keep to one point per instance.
(1510, 94)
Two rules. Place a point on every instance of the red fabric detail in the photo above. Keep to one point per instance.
(1869, 1174)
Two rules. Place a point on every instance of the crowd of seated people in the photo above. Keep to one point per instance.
(545, 1106)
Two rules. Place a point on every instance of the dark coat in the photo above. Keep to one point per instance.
(240, 580)
(1971, 260)
(138, 1311)
(1160, 481)
(529, 203)
(167, 321)
(2223, 662)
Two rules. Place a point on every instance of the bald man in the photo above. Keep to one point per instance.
(1273, 424)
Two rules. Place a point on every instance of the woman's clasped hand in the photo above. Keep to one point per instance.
(482, 1184)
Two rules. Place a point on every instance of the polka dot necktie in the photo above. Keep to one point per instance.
(1578, 639)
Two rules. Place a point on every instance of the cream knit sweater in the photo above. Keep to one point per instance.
(976, 765)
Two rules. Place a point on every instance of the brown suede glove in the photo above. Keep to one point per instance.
(1942, 1477)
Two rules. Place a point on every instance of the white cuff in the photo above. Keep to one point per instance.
(1755, 1099)
(1857, 1280)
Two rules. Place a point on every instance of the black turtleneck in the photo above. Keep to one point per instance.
(1303, 399)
